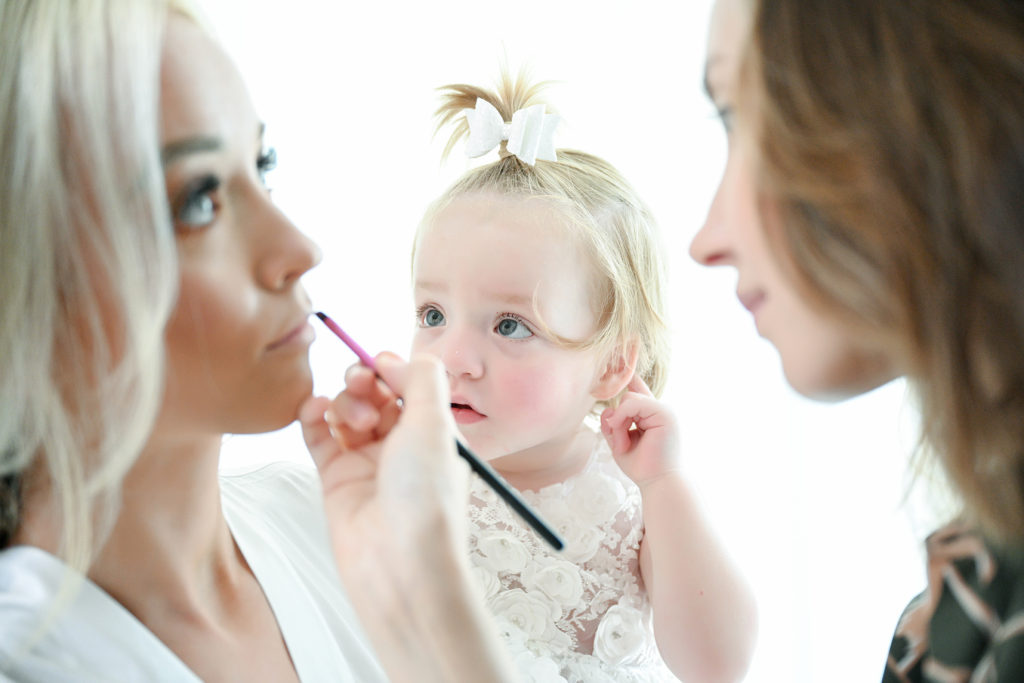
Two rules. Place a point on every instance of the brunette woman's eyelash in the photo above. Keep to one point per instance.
(725, 115)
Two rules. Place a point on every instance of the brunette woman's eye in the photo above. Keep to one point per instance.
(725, 115)
(196, 207)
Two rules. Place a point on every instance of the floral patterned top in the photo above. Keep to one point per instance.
(968, 625)
(582, 614)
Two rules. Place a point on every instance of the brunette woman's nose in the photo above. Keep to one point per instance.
(712, 245)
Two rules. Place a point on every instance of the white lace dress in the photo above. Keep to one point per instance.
(580, 615)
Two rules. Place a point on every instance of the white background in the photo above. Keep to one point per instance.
(809, 498)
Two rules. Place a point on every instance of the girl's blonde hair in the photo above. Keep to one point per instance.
(898, 189)
(87, 267)
(601, 209)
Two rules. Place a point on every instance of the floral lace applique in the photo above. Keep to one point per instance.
(581, 614)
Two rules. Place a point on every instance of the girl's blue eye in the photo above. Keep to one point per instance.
(431, 317)
(197, 208)
(512, 328)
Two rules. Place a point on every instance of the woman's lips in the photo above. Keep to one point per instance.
(464, 414)
(751, 300)
(300, 336)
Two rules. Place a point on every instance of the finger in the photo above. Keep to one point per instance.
(389, 414)
(315, 430)
(638, 385)
(424, 388)
(363, 382)
(616, 433)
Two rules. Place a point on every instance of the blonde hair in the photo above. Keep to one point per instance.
(603, 212)
(898, 189)
(88, 268)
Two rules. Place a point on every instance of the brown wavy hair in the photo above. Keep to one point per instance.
(892, 152)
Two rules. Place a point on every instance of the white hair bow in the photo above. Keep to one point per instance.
(530, 135)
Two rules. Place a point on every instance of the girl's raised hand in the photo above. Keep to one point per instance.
(643, 434)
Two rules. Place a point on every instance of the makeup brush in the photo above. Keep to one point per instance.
(483, 470)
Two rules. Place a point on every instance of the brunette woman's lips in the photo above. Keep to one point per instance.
(751, 300)
(464, 414)
(298, 337)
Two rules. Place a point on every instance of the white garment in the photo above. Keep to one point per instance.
(276, 517)
(581, 615)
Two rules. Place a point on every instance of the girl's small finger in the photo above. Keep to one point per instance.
(638, 385)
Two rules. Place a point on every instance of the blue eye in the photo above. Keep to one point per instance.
(512, 327)
(430, 317)
(197, 207)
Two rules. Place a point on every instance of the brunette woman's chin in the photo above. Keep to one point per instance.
(852, 376)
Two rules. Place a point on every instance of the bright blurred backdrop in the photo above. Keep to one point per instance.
(809, 498)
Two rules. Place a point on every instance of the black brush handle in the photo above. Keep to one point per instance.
(509, 495)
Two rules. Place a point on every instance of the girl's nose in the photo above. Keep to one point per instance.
(460, 353)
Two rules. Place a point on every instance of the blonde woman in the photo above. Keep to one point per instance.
(151, 302)
(871, 206)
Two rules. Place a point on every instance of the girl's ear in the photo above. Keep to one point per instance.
(618, 371)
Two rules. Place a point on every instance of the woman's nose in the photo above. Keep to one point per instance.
(705, 248)
(711, 245)
(286, 253)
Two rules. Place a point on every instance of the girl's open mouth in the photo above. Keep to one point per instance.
(464, 414)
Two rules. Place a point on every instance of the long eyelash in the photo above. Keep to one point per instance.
(518, 319)
(265, 163)
(267, 160)
(725, 115)
(200, 186)
(197, 188)
(420, 310)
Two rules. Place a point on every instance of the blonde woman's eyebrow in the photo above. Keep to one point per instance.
(179, 148)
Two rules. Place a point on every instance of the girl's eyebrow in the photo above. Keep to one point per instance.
(496, 296)
(433, 286)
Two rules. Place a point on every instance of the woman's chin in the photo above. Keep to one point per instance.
(837, 383)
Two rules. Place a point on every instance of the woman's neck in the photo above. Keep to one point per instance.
(170, 546)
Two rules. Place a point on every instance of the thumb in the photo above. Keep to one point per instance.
(423, 386)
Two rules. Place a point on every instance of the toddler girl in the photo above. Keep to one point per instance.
(539, 284)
